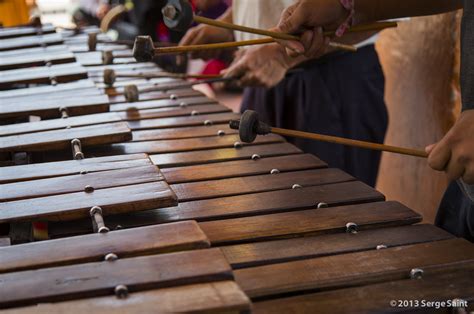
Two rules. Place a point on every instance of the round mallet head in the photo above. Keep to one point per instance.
(107, 57)
(178, 15)
(92, 41)
(249, 126)
(131, 93)
(109, 77)
(143, 49)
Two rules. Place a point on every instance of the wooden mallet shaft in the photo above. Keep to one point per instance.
(350, 142)
(249, 127)
(274, 35)
(229, 45)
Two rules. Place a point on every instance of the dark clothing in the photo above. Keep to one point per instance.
(456, 213)
(342, 95)
(467, 56)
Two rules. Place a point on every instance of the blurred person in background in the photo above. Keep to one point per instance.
(336, 93)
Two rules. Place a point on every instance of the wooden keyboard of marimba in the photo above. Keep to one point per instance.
(156, 206)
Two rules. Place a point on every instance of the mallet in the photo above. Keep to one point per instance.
(110, 76)
(144, 49)
(250, 126)
(108, 56)
(92, 41)
(132, 93)
(178, 15)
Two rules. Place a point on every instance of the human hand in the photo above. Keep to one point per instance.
(308, 17)
(454, 154)
(102, 10)
(264, 65)
(205, 34)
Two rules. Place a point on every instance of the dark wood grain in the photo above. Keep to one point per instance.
(186, 121)
(164, 103)
(216, 297)
(241, 168)
(182, 94)
(259, 183)
(309, 222)
(27, 52)
(351, 269)
(49, 108)
(435, 286)
(151, 240)
(173, 146)
(270, 252)
(18, 62)
(77, 205)
(62, 168)
(61, 139)
(97, 279)
(77, 183)
(78, 47)
(30, 41)
(118, 68)
(55, 124)
(47, 91)
(172, 112)
(180, 133)
(10, 32)
(141, 83)
(238, 206)
(92, 58)
(223, 154)
(41, 75)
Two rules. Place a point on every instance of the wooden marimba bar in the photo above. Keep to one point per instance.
(156, 206)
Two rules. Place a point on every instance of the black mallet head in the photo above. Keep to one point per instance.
(143, 49)
(249, 126)
(178, 15)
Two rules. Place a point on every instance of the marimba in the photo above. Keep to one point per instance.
(156, 205)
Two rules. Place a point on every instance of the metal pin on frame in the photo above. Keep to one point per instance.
(98, 220)
(77, 149)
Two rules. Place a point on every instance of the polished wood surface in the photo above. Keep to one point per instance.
(215, 297)
(223, 154)
(77, 205)
(259, 183)
(61, 139)
(55, 169)
(312, 244)
(43, 75)
(49, 108)
(151, 240)
(449, 285)
(241, 168)
(77, 183)
(309, 222)
(351, 269)
(100, 278)
(173, 146)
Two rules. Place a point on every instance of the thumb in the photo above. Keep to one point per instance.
(429, 148)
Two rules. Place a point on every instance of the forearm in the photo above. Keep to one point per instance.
(367, 11)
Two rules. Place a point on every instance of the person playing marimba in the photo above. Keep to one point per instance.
(333, 92)
(454, 153)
